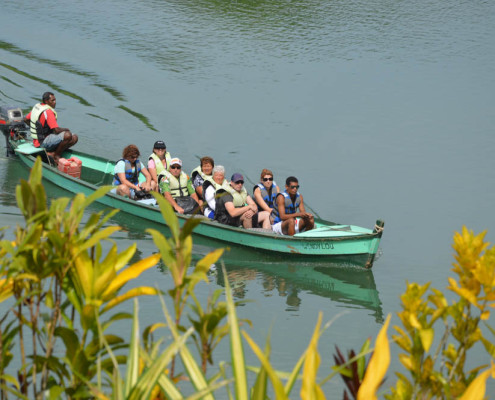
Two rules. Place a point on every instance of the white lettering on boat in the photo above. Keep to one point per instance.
(315, 246)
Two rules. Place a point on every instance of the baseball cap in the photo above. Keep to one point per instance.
(160, 144)
(237, 177)
(174, 161)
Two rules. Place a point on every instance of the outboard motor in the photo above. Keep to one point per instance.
(12, 125)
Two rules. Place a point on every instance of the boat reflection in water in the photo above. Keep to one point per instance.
(345, 284)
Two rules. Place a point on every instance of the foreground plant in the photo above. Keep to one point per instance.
(61, 286)
(51, 272)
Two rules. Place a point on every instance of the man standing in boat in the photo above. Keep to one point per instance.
(290, 215)
(46, 133)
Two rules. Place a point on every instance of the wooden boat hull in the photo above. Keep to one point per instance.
(329, 240)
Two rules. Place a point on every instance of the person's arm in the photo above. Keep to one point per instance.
(123, 180)
(173, 203)
(236, 211)
(198, 184)
(146, 185)
(51, 121)
(192, 192)
(303, 213)
(251, 204)
(260, 201)
(210, 197)
(280, 200)
(152, 170)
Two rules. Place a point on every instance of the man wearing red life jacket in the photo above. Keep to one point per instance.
(46, 133)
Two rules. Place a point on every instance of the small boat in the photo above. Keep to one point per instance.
(327, 241)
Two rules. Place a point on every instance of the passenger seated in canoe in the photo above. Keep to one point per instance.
(265, 192)
(201, 173)
(210, 187)
(177, 188)
(126, 174)
(235, 207)
(42, 122)
(290, 215)
(158, 161)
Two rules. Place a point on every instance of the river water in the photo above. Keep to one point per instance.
(381, 108)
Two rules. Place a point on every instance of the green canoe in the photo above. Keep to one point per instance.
(328, 241)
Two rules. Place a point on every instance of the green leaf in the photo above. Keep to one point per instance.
(100, 192)
(236, 348)
(260, 386)
(361, 362)
(192, 368)
(188, 227)
(276, 383)
(133, 358)
(168, 215)
(166, 251)
(98, 237)
(70, 340)
(150, 377)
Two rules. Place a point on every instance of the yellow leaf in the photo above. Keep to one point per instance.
(139, 291)
(406, 361)
(426, 336)
(485, 315)
(130, 273)
(476, 390)
(84, 273)
(6, 286)
(310, 389)
(469, 296)
(414, 321)
(377, 367)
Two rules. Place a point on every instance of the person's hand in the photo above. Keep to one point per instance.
(146, 186)
(249, 214)
(179, 209)
(253, 207)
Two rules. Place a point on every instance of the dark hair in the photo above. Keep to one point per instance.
(130, 150)
(291, 179)
(206, 160)
(266, 172)
(46, 96)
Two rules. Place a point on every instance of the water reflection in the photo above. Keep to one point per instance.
(11, 172)
(346, 285)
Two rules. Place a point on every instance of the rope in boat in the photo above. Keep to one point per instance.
(378, 229)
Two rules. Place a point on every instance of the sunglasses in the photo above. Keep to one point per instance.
(267, 179)
(241, 182)
(294, 186)
(175, 167)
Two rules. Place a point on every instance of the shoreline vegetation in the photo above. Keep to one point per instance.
(62, 290)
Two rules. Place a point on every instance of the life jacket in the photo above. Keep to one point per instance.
(198, 171)
(38, 131)
(225, 185)
(240, 198)
(159, 163)
(267, 196)
(178, 187)
(224, 188)
(290, 207)
(130, 175)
